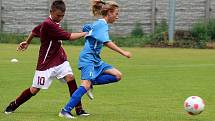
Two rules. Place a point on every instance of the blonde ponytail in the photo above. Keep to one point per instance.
(100, 7)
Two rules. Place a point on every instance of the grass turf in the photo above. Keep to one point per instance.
(155, 83)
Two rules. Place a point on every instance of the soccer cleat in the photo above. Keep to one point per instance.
(10, 108)
(82, 113)
(65, 114)
(90, 94)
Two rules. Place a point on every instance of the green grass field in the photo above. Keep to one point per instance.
(156, 82)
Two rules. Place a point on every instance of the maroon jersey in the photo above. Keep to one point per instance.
(51, 53)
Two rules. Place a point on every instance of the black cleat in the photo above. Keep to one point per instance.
(10, 108)
(82, 113)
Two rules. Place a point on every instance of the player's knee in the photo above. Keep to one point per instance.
(72, 78)
(69, 78)
(86, 84)
(119, 76)
(87, 87)
(34, 90)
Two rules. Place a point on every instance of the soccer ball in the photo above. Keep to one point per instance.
(14, 60)
(194, 105)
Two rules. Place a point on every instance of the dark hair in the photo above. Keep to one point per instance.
(100, 7)
(58, 5)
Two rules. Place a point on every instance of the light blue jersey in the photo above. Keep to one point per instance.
(94, 42)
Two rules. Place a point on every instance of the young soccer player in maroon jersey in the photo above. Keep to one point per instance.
(52, 61)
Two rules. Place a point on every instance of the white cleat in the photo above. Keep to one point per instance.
(90, 94)
(7, 113)
(65, 114)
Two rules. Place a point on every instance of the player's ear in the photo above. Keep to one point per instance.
(52, 10)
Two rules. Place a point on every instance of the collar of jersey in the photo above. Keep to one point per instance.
(103, 20)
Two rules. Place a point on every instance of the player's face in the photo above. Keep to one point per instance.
(57, 15)
(113, 15)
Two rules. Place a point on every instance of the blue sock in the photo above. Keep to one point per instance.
(75, 98)
(104, 79)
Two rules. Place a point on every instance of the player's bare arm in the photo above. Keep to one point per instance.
(24, 45)
(114, 47)
(75, 36)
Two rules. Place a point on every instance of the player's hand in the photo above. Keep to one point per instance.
(22, 46)
(127, 54)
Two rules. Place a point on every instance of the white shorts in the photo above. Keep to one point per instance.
(43, 79)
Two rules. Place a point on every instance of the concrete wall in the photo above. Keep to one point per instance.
(212, 5)
(20, 16)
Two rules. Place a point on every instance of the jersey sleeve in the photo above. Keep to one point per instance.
(56, 33)
(101, 33)
(60, 34)
(36, 30)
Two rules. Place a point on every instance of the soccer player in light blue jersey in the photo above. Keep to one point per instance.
(94, 71)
